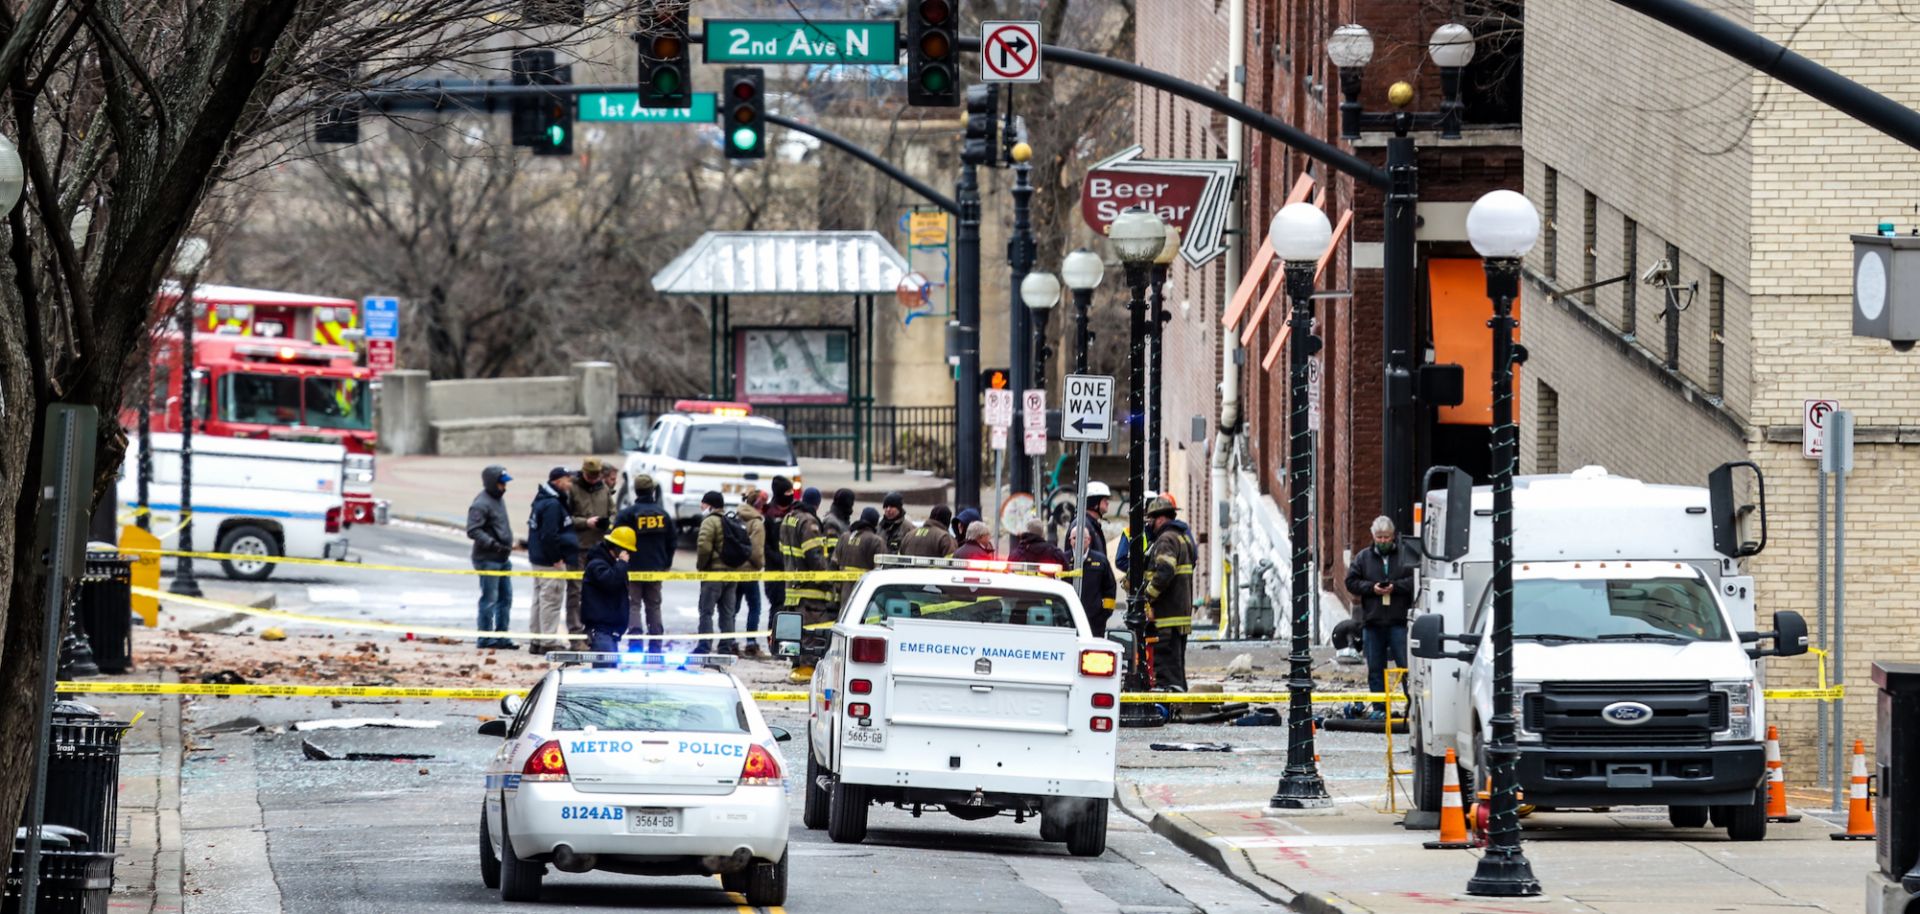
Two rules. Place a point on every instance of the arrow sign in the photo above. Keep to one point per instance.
(1087, 413)
(1191, 194)
(1010, 52)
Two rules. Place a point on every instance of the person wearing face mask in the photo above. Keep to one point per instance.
(1382, 578)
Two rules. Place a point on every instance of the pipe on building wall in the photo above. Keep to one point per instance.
(1224, 446)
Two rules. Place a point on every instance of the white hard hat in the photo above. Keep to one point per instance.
(1098, 490)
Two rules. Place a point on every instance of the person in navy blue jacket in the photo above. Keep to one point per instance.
(552, 545)
(603, 590)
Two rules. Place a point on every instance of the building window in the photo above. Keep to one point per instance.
(1550, 235)
(1590, 268)
(1630, 265)
(1670, 311)
(1716, 328)
(1546, 425)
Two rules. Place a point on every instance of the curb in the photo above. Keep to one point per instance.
(1233, 864)
(169, 870)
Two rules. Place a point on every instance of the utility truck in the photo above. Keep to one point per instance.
(1635, 673)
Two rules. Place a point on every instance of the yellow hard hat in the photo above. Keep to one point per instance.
(623, 537)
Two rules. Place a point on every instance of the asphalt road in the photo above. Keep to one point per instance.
(269, 831)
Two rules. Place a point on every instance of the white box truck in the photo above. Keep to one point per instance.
(1635, 678)
(250, 497)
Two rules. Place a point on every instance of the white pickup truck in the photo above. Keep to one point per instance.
(967, 687)
(250, 497)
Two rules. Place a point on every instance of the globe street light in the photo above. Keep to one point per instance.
(13, 176)
(1300, 234)
(188, 260)
(1138, 235)
(1503, 226)
(1083, 271)
(1040, 291)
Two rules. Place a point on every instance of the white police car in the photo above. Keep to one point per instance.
(660, 765)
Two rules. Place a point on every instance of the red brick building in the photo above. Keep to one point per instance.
(1287, 73)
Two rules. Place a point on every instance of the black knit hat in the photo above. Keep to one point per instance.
(715, 499)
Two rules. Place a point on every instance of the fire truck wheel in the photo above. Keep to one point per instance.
(247, 539)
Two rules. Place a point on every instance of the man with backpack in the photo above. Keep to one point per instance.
(724, 545)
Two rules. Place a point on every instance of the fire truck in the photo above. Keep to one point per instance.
(256, 379)
(276, 315)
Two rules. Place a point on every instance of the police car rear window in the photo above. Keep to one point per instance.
(962, 603)
(684, 708)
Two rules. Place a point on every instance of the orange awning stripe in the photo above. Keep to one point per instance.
(1263, 258)
(1253, 326)
(1326, 257)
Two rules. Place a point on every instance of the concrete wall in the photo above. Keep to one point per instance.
(574, 414)
(495, 397)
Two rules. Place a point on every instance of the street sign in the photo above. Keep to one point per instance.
(1010, 52)
(1190, 194)
(999, 435)
(802, 41)
(1837, 454)
(382, 317)
(380, 354)
(1087, 414)
(927, 229)
(999, 409)
(1033, 407)
(1034, 443)
(1813, 426)
(1313, 393)
(625, 107)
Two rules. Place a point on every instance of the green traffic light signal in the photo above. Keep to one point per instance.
(936, 79)
(666, 81)
(745, 138)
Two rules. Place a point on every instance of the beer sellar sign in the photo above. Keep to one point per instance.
(1191, 194)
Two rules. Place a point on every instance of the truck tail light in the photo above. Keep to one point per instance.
(1103, 699)
(1098, 663)
(546, 763)
(761, 769)
(1102, 724)
(869, 650)
(679, 482)
(333, 519)
(860, 686)
(859, 709)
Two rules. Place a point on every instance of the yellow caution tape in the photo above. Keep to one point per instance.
(723, 576)
(1830, 693)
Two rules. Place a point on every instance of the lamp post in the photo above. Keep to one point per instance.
(1040, 292)
(1350, 48)
(1022, 363)
(188, 261)
(1083, 271)
(1300, 234)
(1502, 226)
(1156, 341)
(1137, 235)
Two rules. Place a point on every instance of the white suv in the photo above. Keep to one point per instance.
(706, 445)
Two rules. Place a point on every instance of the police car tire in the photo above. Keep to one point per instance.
(232, 538)
(847, 813)
(519, 879)
(489, 862)
(813, 810)
(1087, 836)
(767, 883)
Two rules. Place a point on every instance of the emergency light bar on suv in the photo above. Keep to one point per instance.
(713, 407)
(639, 660)
(921, 561)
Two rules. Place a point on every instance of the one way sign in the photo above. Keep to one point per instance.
(1087, 414)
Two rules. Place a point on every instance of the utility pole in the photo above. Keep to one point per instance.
(1396, 324)
(966, 306)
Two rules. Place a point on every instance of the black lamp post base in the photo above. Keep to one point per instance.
(1301, 792)
(186, 584)
(1503, 873)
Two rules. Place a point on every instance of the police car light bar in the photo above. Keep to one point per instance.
(641, 660)
(921, 561)
(713, 407)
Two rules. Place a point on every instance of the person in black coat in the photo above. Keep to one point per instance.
(1382, 577)
(552, 545)
(654, 535)
(603, 590)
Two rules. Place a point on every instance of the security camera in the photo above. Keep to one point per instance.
(1656, 274)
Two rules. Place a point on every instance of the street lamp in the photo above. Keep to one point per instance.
(1028, 330)
(188, 260)
(1350, 48)
(1083, 271)
(1300, 234)
(1040, 291)
(13, 176)
(1137, 234)
(1502, 226)
(1156, 353)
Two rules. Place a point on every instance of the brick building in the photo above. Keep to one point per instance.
(1748, 190)
(1287, 73)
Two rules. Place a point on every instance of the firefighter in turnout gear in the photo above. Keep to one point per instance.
(1169, 594)
(804, 546)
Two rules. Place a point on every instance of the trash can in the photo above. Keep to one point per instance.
(83, 773)
(71, 881)
(105, 609)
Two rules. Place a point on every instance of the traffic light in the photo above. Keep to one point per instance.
(983, 105)
(339, 120)
(933, 74)
(665, 67)
(996, 379)
(543, 122)
(745, 124)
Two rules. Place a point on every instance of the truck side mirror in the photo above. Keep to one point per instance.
(1789, 636)
(1456, 516)
(1427, 639)
(786, 631)
(1728, 515)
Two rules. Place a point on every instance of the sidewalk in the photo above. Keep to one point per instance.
(430, 489)
(147, 876)
(1359, 859)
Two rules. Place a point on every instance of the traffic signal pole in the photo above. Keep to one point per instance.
(863, 154)
(966, 302)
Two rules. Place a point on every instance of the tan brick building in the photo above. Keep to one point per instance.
(1748, 190)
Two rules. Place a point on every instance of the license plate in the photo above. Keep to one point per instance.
(653, 821)
(865, 737)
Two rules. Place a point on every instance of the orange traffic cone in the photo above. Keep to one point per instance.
(1776, 780)
(1453, 821)
(1859, 812)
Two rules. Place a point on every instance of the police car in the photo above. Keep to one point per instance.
(645, 764)
(972, 687)
(711, 446)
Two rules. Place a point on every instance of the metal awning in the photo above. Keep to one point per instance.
(784, 263)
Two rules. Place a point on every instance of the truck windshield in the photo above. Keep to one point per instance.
(292, 400)
(1651, 609)
(701, 709)
(961, 603)
(337, 403)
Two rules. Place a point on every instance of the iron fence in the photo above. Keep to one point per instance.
(914, 437)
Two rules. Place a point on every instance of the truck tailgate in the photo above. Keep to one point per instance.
(1014, 678)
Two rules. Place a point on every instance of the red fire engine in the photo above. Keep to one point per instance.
(276, 315)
